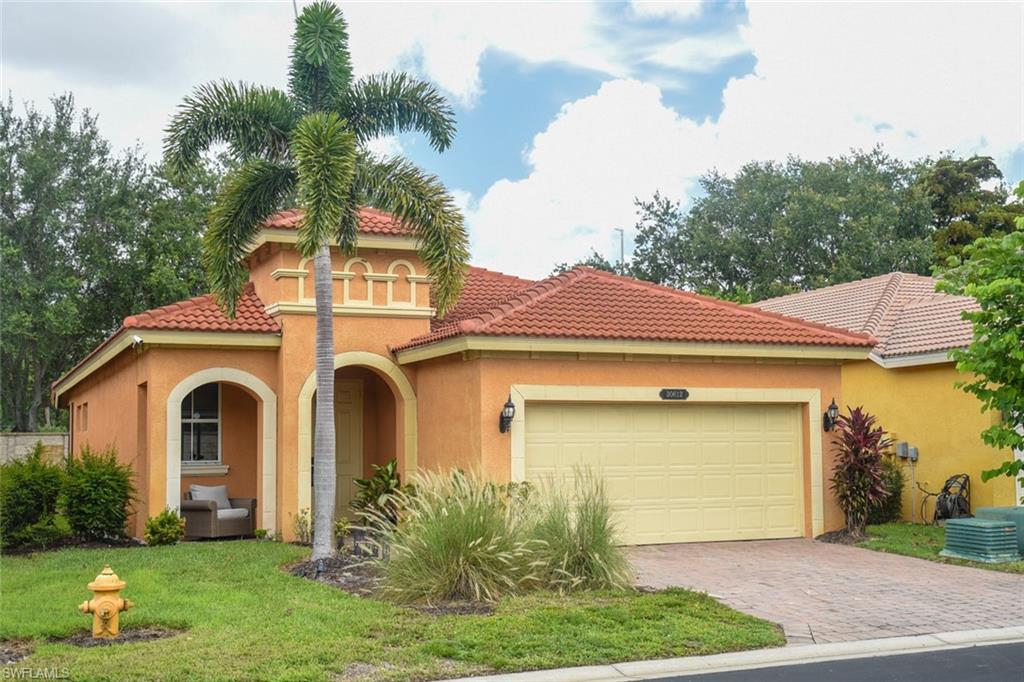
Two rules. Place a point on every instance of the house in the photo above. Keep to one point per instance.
(908, 381)
(703, 416)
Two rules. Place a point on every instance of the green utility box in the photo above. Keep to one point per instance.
(1015, 514)
(989, 540)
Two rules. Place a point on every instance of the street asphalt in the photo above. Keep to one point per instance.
(993, 663)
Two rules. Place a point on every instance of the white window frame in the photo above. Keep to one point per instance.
(198, 463)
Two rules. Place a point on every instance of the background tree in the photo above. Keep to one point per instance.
(306, 148)
(992, 271)
(594, 260)
(86, 237)
(777, 228)
(968, 200)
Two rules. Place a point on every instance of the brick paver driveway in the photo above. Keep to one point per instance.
(831, 593)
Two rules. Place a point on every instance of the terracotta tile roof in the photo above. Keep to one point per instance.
(902, 311)
(483, 289)
(371, 221)
(590, 304)
(203, 314)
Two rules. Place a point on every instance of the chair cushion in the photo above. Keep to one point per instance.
(217, 493)
(225, 514)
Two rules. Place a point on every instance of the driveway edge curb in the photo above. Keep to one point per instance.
(762, 658)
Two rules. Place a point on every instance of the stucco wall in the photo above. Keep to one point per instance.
(471, 392)
(922, 406)
(111, 396)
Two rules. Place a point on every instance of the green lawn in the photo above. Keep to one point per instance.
(923, 542)
(244, 618)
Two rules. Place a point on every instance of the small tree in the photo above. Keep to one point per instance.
(991, 270)
(857, 479)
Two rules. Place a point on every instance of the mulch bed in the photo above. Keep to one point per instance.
(839, 537)
(355, 575)
(360, 577)
(85, 640)
(12, 651)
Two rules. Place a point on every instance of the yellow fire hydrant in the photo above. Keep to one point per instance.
(106, 604)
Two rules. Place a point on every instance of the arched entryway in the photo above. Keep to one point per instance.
(375, 415)
(225, 405)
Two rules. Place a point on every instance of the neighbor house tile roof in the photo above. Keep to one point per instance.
(203, 314)
(902, 311)
(590, 304)
(371, 221)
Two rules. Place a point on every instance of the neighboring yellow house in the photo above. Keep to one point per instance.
(908, 382)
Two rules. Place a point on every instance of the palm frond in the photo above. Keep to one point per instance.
(320, 72)
(247, 196)
(419, 199)
(394, 103)
(325, 153)
(254, 122)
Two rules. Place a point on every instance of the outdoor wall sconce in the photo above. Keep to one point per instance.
(831, 416)
(508, 413)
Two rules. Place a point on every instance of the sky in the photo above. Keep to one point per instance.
(567, 112)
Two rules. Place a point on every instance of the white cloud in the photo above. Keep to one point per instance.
(662, 9)
(384, 146)
(700, 53)
(133, 63)
(596, 155)
(917, 79)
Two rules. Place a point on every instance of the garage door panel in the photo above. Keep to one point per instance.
(680, 472)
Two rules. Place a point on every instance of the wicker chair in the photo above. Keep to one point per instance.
(204, 520)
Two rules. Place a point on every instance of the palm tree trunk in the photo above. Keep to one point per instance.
(324, 481)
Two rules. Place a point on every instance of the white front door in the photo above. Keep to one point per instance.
(348, 424)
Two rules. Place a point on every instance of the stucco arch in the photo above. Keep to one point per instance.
(396, 378)
(268, 399)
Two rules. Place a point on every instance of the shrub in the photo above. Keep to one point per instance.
(97, 494)
(578, 541)
(377, 494)
(857, 477)
(341, 530)
(29, 490)
(261, 534)
(303, 528)
(891, 506)
(166, 528)
(459, 538)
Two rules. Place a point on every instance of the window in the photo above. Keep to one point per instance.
(82, 417)
(200, 425)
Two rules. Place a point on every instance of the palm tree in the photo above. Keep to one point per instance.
(307, 148)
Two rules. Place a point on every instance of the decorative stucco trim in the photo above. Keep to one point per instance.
(523, 394)
(268, 399)
(289, 272)
(915, 360)
(276, 236)
(532, 345)
(285, 307)
(409, 424)
(188, 469)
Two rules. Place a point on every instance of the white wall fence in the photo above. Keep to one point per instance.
(17, 445)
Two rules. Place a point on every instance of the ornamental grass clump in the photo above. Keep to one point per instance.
(858, 477)
(577, 540)
(457, 538)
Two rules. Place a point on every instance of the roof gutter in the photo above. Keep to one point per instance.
(460, 344)
(915, 360)
(123, 339)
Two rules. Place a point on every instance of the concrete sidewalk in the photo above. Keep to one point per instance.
(764, 658)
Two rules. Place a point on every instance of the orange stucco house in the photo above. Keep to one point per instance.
(703, 417)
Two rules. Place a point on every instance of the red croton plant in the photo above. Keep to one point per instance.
(857, 478)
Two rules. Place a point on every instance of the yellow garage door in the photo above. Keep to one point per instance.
(679, 472)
